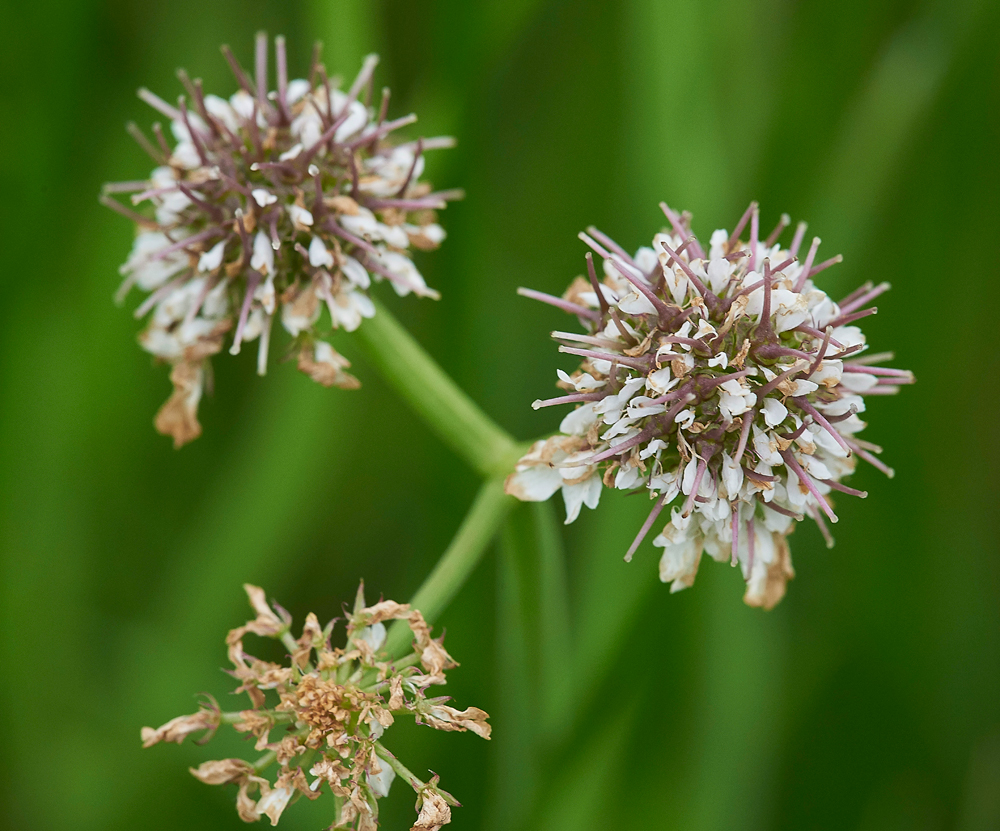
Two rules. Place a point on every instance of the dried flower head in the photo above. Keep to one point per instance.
(722, 379)
(321, 716)
(271, 204)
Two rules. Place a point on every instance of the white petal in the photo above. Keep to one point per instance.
(679, 561)
(373, 635)
(719, 270)
(579, 421)
(297, 88)
(382, 781)
(319, 256)
(212, 259)
(263, 254)
(628, 478)
(355, 272)
(299, 216)
(732, 476)
(263, 197)
(575, 496)
(774, 412)
(858, 381)
(659, 381)
(635, 303)
(535, 484)
(243, 103)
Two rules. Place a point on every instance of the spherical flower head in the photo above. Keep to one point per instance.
(283, 204)
(322, 716)
(723, 382)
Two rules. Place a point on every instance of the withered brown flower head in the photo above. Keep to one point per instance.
(718, 377)
(272, 204)
(321, 717)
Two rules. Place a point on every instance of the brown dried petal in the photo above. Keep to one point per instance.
(396, 697)
(312, 635)
(208, 345)
(177, 729)
(434, 812)
(303, 305)
(246, 806)
(580, 285)
(342, 204)
(329, 373)
(301, 784)
(443, 717)
(435, 660)
(258, 600)
(330, 770)
(779, 572)
(257, 723)
(178, 417)
(221, 771)
(380, 612)
(329, 659)
(288, 748)
(422, 241)
(382, 715)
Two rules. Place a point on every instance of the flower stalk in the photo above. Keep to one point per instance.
(474, 535)
(448, 411)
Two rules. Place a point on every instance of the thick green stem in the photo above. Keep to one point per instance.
(458, 561)
(449, 412)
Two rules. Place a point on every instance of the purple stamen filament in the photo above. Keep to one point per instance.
(821, 421)
(645, 529)
(635, 363)
(806, 480)
(559, 303)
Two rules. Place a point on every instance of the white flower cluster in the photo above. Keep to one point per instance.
(722, 381)
(272, 204)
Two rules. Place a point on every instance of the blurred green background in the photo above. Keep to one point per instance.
(869, 699)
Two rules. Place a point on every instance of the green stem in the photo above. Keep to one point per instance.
(237, 717)
(264, 761)
(289, 641)
(458, 561)
(401, 770)
(449, 412)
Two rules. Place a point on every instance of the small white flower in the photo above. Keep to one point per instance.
(774, 412)
(299, 216)
(263, 254)
(263, 197)
(355, 272)
(212, 259)
(319, 256)
(583, 493)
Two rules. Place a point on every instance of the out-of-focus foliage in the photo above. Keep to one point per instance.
(868, 699)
